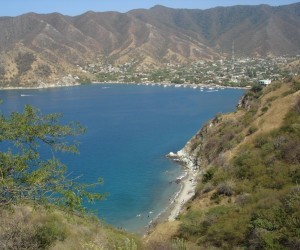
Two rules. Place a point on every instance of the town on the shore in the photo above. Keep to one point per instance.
(231, 72)
(234, 72)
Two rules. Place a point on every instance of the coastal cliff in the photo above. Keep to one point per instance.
(243, 172)
(192, 156)
(247, 165)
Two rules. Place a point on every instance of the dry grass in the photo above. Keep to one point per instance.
(205, 202)
(163, 232)
(272, 118)
(20, 227)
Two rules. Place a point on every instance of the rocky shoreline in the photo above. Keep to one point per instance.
(188, 158)
(188, 182)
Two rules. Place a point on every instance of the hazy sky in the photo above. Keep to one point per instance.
(75, 7)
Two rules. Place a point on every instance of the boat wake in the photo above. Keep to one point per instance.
(23, 95)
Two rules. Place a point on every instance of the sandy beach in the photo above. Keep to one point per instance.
(187, 182)
(186, 192)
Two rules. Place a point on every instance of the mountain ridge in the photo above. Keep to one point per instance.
(150, 37)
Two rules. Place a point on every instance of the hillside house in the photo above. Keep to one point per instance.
(265, 82)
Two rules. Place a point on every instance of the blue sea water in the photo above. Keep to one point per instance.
(130, 129)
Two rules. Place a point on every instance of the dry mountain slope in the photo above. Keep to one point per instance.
(254, 29)
(49, 46)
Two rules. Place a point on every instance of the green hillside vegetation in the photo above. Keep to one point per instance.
(248, 196)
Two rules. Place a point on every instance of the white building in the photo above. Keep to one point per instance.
(265, 82)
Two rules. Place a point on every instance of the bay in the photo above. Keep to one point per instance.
(130, 129)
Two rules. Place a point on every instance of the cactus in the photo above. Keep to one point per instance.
(179, 244)
(127, 245)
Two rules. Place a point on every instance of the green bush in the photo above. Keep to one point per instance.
(249, 116)
(228, 230)
(243, 164)
(216, 197)
(208, 175)
(48, 233)
(252, 130)
(264, 109)
(277, 227)
(256, 88)
(296, 85)
(191, 226)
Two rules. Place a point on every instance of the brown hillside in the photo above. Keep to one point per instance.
(149, 37)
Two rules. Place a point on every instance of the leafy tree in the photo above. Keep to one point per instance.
(177, 81)
(256, 88)
(25, 174)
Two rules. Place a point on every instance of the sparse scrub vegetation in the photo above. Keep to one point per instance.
(264, 109)
(296, 84)
(252, 130)
(24, 62)
(43, 70)
(25, 227)
(274, 86)
(225, 188)
(2, 71)
(208, 175)
(179, 244)
(271, 99)
(261, 179)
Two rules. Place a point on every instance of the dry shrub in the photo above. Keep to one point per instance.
(225, 188)
(159, 246)
(207, 188)
(290, 152)
(16, 233)
(297, 106)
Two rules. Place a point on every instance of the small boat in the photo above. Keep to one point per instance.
(25, 95)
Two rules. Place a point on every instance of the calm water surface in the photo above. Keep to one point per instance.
(130, 129)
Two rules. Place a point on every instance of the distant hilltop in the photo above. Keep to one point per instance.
(38, 48)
